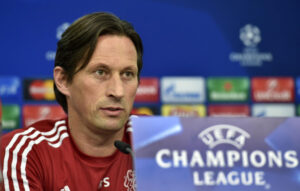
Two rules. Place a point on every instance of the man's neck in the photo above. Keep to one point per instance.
(94, 143)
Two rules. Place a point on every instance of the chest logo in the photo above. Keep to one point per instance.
(66, 188)
(129, 182)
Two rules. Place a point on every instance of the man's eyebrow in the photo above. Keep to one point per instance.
(130, 68)
(106, 66)
(101, 65)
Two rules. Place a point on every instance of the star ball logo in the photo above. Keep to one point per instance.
(250, 35)
(61, 29)
(227, 167)
(50, 55)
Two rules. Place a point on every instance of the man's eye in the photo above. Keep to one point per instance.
(128, 74)
(100, 72)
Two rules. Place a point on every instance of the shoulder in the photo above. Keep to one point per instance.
(128, 125)
(34, 134)
(131, 118)
(21, 150)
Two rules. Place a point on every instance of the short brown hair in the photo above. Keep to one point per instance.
(78, 42)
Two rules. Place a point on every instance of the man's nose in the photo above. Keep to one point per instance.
(115, 87)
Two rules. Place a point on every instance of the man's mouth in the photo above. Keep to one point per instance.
(112, 111)
(113, 108)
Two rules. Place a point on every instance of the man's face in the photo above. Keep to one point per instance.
(101, 95)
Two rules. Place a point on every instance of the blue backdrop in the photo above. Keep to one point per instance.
(181, 37)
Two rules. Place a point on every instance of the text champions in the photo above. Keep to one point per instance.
(257, 159)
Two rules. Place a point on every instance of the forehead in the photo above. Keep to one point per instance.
(115, 48)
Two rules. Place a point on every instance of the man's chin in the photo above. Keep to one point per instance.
(111, 124)
(108, 123)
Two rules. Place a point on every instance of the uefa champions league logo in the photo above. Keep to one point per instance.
(244, 167)
(250, 35)
(50, 54)
(61, 29)
(224, 134)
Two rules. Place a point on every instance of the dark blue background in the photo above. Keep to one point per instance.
(181, 37)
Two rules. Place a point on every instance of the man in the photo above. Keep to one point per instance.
(96, 74)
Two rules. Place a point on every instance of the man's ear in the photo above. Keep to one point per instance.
(60, 80)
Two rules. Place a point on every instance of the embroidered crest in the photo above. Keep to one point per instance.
(129, 182)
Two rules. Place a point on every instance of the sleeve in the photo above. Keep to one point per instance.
(21, 169)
